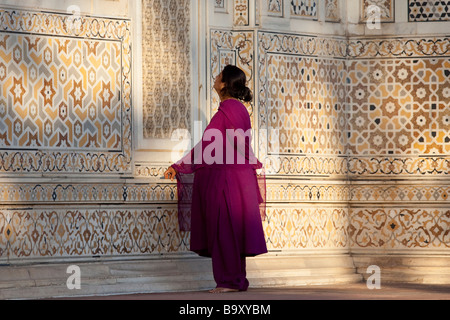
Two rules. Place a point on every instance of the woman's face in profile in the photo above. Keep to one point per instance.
(218, 84)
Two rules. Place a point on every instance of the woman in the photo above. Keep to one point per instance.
(226, 197)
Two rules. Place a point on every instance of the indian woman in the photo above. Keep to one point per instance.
(220, 194)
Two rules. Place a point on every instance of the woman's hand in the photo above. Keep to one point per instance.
(170, 173)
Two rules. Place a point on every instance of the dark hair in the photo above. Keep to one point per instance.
(236, 84)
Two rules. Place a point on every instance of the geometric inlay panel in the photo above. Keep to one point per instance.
(306, 228)
(332, 11)
(65, 93)
(399, 228)
(398, 166)
(59, 93)
(293, 192)
(241, 13)
(398, 47)
(166, 53)
(399, 107)
(305, 103)
(86, 193)
(60, 233)
(302, 104)
(429, 10)
(398, 90)
(378, 9)
(400, 193)
(275, 7)
(304, 9)
(220, 5)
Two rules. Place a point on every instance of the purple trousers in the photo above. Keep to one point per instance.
(226, 223)
(229, 265)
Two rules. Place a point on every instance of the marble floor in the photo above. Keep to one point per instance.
(357, 291)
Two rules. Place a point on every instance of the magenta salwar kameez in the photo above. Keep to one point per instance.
(222, 202)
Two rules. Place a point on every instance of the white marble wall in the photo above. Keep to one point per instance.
(104, 8)
(350, 196)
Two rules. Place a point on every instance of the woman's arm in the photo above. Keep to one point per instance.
(194, 159)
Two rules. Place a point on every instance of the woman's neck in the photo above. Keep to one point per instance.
(222, 99)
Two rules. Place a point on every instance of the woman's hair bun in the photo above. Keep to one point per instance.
(247, 95)
(236, 84)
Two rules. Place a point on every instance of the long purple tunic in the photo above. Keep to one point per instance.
(221, 197)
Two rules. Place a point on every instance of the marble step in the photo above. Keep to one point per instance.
(168, 275)
(413, 268)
